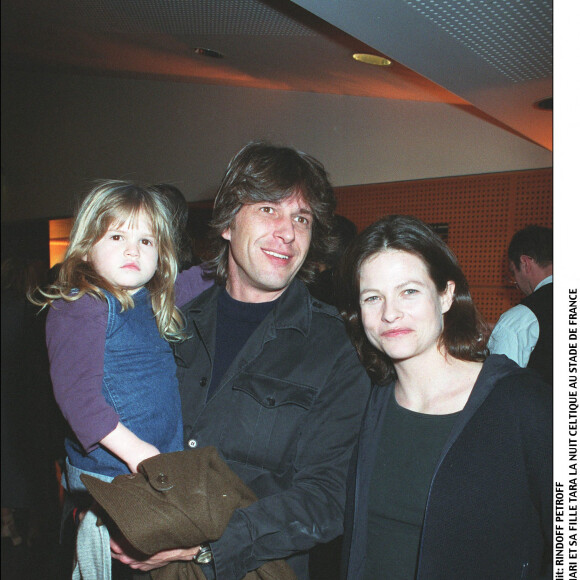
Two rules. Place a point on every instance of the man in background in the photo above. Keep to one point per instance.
(524, 333)
(324, 285)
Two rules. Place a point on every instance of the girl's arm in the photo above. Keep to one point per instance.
(75, 336)
(76, 344)
(128, 447)
(190, 283)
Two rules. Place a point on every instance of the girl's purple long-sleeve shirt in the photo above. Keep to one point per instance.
(75, 336)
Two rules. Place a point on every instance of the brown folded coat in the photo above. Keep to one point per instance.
(178, 500)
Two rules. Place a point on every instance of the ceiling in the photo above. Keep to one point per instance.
(491, 57)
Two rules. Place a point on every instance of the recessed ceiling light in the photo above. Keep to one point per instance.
(208, 52)
(372, 59)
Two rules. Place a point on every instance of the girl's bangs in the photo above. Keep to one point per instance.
(128, 214)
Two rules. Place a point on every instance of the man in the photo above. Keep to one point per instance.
(269, 376)
(525, 332)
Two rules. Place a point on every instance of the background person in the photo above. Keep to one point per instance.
(30, 508)
(325, 558)
(453, 470)
(324, 284)
(525, 332)
(269, 376)
(182, 239)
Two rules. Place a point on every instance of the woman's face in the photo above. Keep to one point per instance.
(402, 312)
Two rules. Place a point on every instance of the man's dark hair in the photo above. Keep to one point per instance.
(263, 172)
(537, 242)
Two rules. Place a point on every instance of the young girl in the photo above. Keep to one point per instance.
(113, 314)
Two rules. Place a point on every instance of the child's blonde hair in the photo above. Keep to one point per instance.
(114, 203)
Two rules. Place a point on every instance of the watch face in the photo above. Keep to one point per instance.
(204, 556)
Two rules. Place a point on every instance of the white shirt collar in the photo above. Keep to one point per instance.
(545, 281)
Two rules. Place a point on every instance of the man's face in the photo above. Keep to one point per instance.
(269, 242)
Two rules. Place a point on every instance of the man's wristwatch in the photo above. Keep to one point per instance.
(204, 556)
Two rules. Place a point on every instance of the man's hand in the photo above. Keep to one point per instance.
(121, 550)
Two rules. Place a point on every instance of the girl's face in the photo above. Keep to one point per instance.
(401, 310)
(126, 256)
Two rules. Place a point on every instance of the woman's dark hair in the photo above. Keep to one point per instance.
(464, 331)
(263, 172)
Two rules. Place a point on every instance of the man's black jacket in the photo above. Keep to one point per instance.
(285, 417)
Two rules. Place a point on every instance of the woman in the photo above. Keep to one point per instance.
(452, 475)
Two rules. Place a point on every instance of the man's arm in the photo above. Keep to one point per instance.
(311, 510)
(515, 334)
(189, 284)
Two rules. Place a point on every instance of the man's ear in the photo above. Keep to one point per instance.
(227, 234)
(526, 263)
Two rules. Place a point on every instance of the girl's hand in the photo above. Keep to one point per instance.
(141, 452)
(128, 447)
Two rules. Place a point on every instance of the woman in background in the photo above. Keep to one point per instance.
(452, 475)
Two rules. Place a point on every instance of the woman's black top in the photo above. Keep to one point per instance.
(410, 445)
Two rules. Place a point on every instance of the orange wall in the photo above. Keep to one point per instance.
(482, 211)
